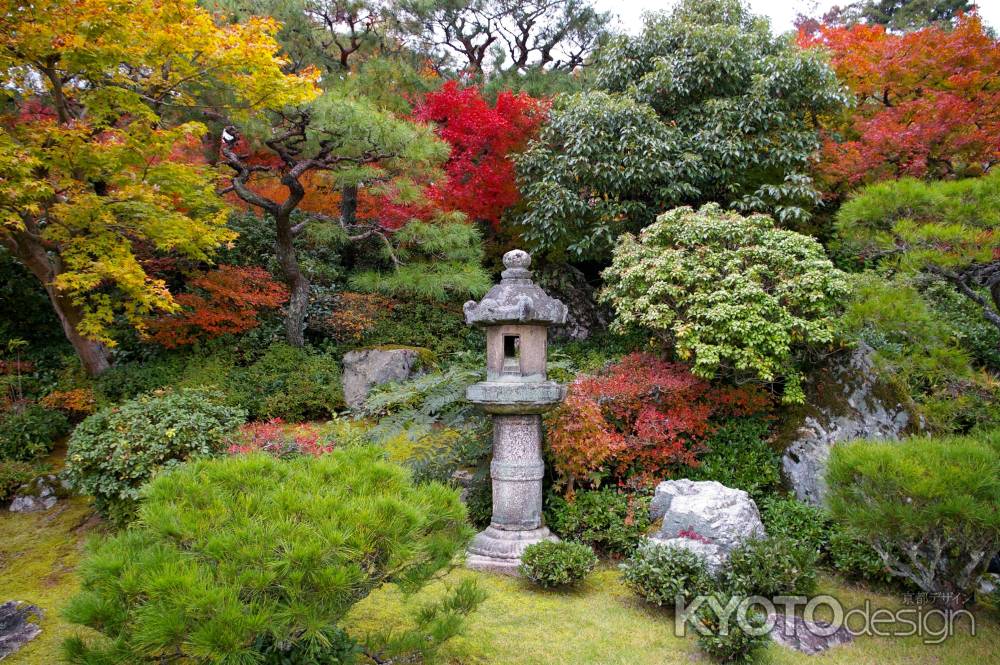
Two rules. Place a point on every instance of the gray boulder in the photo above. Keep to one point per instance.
(18, 626)
(40, 494)
(808, 637)
(705, 517)
(845, 400)
(368, 368)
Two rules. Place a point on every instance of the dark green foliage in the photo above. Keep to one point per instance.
(128, 380)
(739, 456)
(292, 384)
(31, 433)
(771, 567)
(935, 499)
(550, 564)
(232, 554)
(806, 525)
(725, 640)
(705, 104)
(661, 574)
(967, 326)
(439, 327)
(899, 15)
(13, 474)
(609, 521)
(115, 451)
(855, 559)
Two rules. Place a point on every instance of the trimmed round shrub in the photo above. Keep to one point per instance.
(606, 520)
(31, 433)
(806, 525)
(936, 499)
(771, 567)
(724, 639)
(234, 559)
(113, 452)
(661, 573)
(13, 474)
(292, 384)
(735, 295)
(549, 564)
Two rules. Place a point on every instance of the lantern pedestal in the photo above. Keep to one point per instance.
(516, 314)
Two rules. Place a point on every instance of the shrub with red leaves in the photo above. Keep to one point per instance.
(274, 438)
(638, 420)
(222, 301)
(481, 180)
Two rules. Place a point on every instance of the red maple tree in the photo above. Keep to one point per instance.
(928, 102)
(223, 301)
(481, 180)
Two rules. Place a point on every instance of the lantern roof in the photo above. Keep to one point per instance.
(516, 299)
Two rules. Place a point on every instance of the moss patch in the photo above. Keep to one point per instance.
(603, 623)
(39, 553)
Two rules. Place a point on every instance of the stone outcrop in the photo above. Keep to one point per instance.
(367, 368)
(808, 637)
(705, 517)
(584, 315)
(40, 494)
(18, 626)
(845, 400)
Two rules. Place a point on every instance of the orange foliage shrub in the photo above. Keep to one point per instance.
(77, 403)
(638, 420)
(356, 314)
(224, 301)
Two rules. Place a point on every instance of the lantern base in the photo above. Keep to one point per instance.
(495, 550)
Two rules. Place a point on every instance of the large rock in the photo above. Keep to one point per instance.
(368, 368)
(18, 626)
(40, 494)
(584, 315)
(845, 400)
(705, 517)
(808, 637)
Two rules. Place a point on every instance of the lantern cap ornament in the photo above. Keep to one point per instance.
(516, 299)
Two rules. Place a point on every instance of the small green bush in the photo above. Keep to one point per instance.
(30, 433)
(113, 452)
(292, 384)
(661, 573)
(13, 474)
(235, 558)
(739, 456)
(549, 564)
(771, 567)
(855, 559)
(806, 525)
(724, 639)
(936, 499)
(127, 380)
(608, 521)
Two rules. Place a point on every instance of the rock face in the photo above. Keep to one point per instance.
(368, 368)
(18, 626)
(808, 637)
(584, 315)
(42, 493)
(705, 517)
(846, 400)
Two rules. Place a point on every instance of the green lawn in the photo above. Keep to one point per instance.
(602, 622)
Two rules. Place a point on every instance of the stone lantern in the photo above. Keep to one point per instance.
(516, 315)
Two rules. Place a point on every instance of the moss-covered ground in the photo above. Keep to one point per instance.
(601, 622)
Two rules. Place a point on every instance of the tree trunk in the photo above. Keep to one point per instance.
(349, 205)
(93, 355)
(298, 284)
